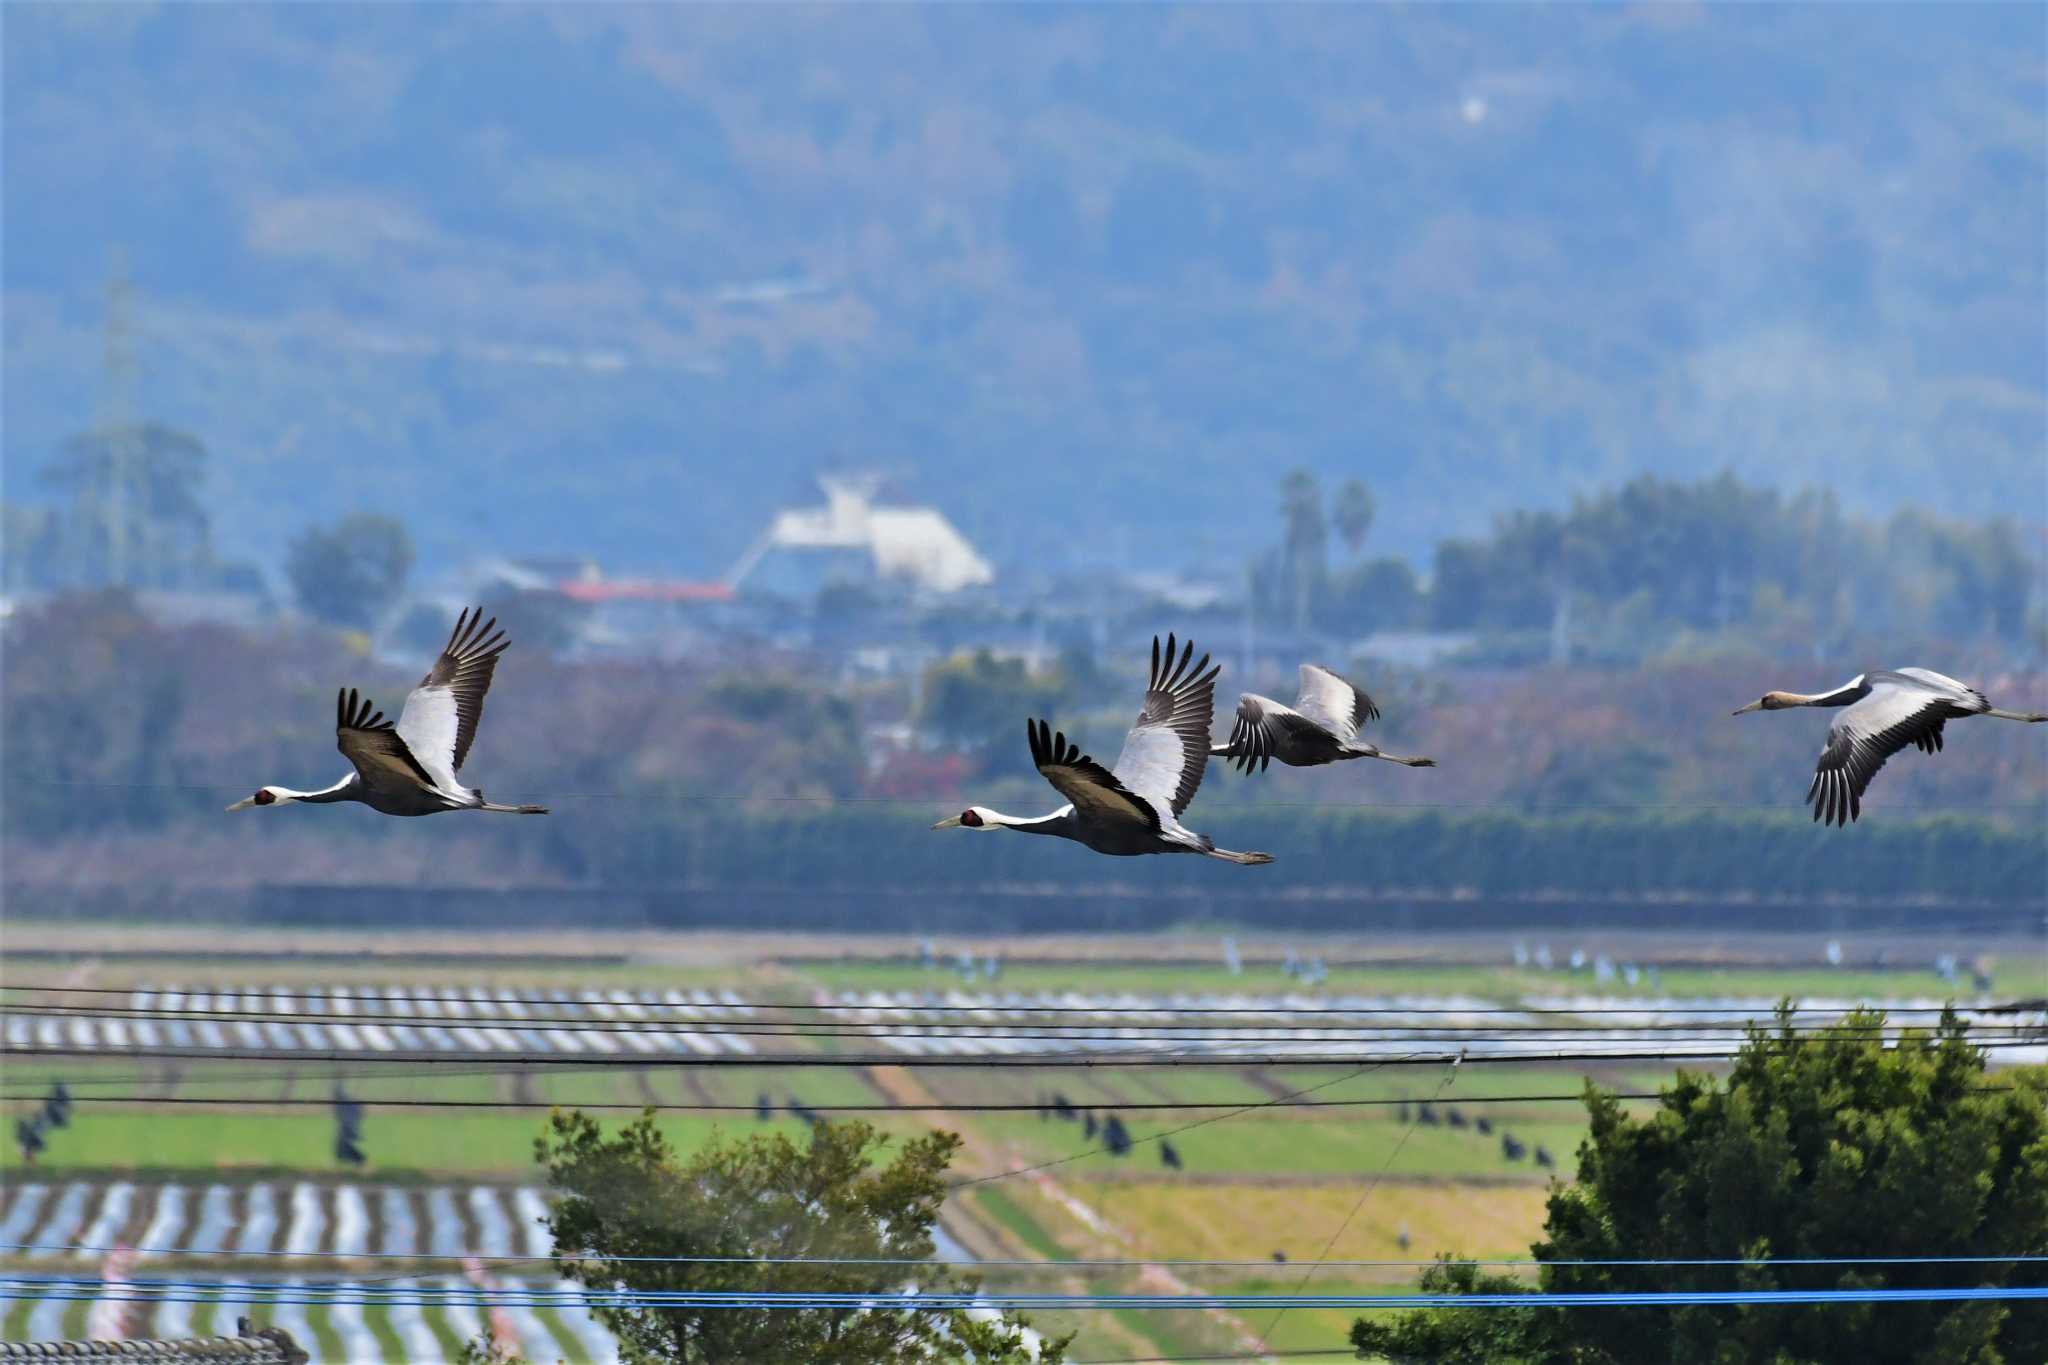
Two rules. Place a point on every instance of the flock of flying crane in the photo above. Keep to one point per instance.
(410, 767)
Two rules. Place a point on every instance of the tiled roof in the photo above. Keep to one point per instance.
(265, 1346)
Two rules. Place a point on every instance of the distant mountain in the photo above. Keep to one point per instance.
(616, 281)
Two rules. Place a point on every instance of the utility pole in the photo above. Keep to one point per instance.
(117, 415)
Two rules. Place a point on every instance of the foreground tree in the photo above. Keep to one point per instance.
(1821, 1144)
(631, 1195)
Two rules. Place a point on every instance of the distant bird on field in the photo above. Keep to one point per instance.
(1135, 806)
(1116, 1138)
(1321, 727)
(1885, 711)
(1544, 1158)
(348, 1129)
(409, 768)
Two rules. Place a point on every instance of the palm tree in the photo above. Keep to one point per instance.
(1353, 514)
(1308, 539)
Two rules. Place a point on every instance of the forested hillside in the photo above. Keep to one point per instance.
(547, 280)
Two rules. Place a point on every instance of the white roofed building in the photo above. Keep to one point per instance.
(915, 545)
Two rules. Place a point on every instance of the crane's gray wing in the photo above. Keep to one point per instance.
(1167, 751)
(1967, 696)
(1333, 703)
(1863, 736)
(1092, 788)
(440, 717)
(373, 745)
(1262, 725)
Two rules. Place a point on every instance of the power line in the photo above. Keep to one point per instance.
(631, 1106)
(655, 796)
(1694, 1031)
(1725, 1019)
(1062, 1265)
(974, 1003)
(1297, 1353)
(308, 1294)
(1450, 1074)
(1106, 1057)
(1198, 1123)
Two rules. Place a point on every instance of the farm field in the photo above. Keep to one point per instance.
(1503, 983)
(1265, 1160)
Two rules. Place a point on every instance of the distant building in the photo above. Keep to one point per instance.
(916, 545)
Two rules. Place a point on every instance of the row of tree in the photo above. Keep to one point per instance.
(1741, 855)
(1653, 557)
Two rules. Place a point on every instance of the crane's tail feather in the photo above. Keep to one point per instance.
(2032, 717)
(1244, 859)
(513, 810)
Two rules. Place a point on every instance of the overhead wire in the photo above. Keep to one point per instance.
(1727, 1021)
(1155, 1137)
(1127, 1263)
(637, 1106)
(1450, 1074)
(374, 995)
(325, 1294)
(659, 795)
(1099, 1035)
(1051, 1061)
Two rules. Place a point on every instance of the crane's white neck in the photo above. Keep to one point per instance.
(981, 817)
(1036, 824)
(344, 790)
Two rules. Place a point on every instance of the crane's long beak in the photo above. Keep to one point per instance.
(950, 822)
(1753, 706)
(242, 804)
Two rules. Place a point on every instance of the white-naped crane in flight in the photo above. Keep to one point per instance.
(1134, 806)
(1883, 712)
(1321, 727)
(409, 768)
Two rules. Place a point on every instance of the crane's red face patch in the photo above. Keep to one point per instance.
(263, 798)
(970, 819)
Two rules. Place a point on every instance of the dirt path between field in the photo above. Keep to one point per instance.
(1156, 1279)
(898, 1085)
